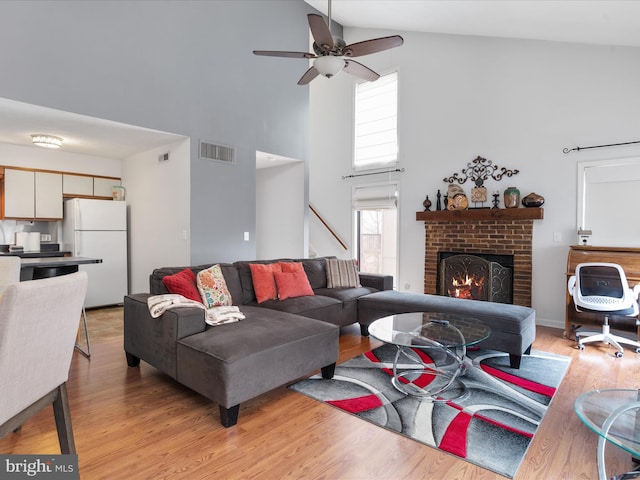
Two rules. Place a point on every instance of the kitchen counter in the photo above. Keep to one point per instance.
(47, 250)
(34, 268)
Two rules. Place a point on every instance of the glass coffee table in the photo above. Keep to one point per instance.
(612, 414)
(431, 348)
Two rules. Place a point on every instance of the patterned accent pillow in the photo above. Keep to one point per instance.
(213, 288)
(341, 273)
(183, 283)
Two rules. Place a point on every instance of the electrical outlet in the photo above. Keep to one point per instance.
(557, 236)
(45, 237)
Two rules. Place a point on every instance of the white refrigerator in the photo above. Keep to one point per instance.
(98, 229)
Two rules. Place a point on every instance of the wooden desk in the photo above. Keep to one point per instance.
(627, 258)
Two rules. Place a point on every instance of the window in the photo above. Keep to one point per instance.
(376, 123)
(376, 226)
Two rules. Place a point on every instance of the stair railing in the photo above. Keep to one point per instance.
(326, 225)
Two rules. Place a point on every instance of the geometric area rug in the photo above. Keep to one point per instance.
(491, 425)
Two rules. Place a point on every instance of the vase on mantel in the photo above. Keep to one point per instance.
(511, 197)
(533, 200)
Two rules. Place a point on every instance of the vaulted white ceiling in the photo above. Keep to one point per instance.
(605, 22)
(594, 21)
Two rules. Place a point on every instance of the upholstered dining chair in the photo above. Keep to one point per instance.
(39, 321)
(9, 271)
(603, 288)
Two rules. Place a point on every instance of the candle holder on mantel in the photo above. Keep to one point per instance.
(496, 200)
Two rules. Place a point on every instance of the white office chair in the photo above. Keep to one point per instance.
(603, 288)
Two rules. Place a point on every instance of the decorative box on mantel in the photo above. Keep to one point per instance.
(497, 231)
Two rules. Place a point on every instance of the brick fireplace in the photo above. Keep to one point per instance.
(482, 231)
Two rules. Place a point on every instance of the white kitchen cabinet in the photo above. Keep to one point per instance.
(48, 195)
(32, 195)
(103, 187)
(19, 193)
(77, 185)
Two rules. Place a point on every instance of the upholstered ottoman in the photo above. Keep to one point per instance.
(513, 327)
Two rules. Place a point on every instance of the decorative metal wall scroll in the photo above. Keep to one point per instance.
(480, 170)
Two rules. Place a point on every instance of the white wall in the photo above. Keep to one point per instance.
(158, 211)
(515, 102)
(180, 67)
(280, 211)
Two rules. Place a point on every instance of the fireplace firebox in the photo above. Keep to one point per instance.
(483, 277)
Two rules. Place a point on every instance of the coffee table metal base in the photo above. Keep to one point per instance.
(405, 375)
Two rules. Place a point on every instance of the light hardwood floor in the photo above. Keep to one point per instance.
(137, 423)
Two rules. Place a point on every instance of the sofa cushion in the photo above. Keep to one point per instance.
(233, 363)
(316, 306)
(292, 284)
(345, 294)
(182, 283)
(341, 273)
(316, 272)
(232, 279)
(213, 287)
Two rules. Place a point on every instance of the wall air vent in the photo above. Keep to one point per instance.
(211, 151)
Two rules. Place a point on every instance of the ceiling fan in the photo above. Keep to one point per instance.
(333, 55)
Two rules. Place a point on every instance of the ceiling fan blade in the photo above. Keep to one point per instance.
(320, 32)
(308, 76)
(372, 46)
(359, 70)
(272, 53)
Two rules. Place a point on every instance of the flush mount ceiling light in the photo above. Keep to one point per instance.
(48, 141)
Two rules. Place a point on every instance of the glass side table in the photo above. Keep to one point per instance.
(612, 414)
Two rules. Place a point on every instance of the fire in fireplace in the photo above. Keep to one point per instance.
(476, 276)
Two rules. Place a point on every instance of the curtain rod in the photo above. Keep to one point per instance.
(373, 173)
(567, 150)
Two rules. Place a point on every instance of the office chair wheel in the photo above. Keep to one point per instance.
(580, 346)
(637, 350)
(619, 354)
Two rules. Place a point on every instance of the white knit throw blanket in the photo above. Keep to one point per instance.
(158, 304)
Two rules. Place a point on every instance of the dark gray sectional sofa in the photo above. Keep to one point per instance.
(281, 341)
(277, 342)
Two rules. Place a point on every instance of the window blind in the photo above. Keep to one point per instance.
(375, 197)
(376, 123)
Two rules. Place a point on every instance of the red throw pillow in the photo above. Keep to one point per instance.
(183, 283)
(292, 284)
(291, 267)
(263, 282)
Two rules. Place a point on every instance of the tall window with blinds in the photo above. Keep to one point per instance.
(376, 228)
(376, 123)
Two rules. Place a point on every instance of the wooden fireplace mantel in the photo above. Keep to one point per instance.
(476, 214)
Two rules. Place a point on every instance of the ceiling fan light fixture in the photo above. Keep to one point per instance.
(48, 141)
(329, 65)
